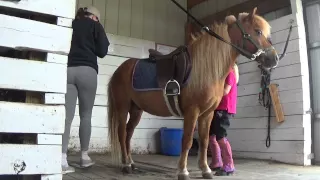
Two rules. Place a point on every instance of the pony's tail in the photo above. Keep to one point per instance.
(113, 124)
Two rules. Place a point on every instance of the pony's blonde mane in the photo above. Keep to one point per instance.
(211, 58)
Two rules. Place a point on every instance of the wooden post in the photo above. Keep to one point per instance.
(35, 71)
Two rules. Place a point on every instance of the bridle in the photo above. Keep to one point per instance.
(245, 36)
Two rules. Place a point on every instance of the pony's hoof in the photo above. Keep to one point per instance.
(127, 170)
(207, 175)
(183, 177)
(133, 167)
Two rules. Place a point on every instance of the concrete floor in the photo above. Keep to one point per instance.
(156, 167)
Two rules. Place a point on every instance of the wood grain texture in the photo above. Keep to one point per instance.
(34, 35)
(125, 10)
(45, 119)
(112, 16)
(137, 19)
(153, 20)
(47, 161)
(24, 76)
(49, 139)
(149, 9)
(60, 8)
(192, 3)
(101, 6)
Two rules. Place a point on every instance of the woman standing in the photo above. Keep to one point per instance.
(89, 40)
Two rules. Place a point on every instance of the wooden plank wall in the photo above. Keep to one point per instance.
(146, 136)
(154, 20)
(290, 140)
(209, 7)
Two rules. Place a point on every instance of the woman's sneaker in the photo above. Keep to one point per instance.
(67, 169)
(85, 163)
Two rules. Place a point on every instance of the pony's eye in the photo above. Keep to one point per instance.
(259, 32)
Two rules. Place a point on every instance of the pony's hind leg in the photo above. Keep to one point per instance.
(135, 116)
(204, 123)
(189, 124)
(122, 134)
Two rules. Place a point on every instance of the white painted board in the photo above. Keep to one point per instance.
(145, 123)
(101, 145)
(101, 111)
(55, 98)
(292, 121)
(32, 75)
(98, 132)
(61, 8)
(276, 146)
(52, 177)
(57, 58)
(30, 118)
(291, 158)
(49, 139)
(129, 47)
(29, 34)
(38, 159)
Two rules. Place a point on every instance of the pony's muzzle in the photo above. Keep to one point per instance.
(269, 59)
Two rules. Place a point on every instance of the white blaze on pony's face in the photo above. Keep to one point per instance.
(259, 32)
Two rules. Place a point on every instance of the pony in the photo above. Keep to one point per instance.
(211, 60)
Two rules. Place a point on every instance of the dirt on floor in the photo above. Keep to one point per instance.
(157, 167)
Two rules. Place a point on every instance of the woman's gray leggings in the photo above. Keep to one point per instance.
(82, 84)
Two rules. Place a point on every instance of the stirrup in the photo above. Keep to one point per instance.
(172, 88)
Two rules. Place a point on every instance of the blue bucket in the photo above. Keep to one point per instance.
(171, 141)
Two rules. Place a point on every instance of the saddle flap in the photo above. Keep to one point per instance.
(173, 66)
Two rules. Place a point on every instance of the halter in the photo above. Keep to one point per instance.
(245, 36)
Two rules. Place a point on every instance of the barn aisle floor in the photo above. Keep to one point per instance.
(156, 167)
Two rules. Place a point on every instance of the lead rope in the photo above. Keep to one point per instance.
(265, 99)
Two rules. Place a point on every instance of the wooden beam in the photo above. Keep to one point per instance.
(264, 6)
(192, 3)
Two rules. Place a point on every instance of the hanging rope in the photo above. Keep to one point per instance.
(265, 99)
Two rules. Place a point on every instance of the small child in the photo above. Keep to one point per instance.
(221, 152)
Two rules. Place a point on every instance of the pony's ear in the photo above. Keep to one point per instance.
(252, 14)
(230, 19)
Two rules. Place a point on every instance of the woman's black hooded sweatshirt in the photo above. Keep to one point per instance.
(89, 40)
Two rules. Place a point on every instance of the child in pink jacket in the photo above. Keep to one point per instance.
(222, 161)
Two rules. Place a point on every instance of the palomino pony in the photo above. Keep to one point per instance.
(211, 60)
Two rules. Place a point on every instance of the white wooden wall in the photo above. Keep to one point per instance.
(213, 6)
(146, 136)
(154, 20)
(290, 140)
(210, 7)
(47, 76)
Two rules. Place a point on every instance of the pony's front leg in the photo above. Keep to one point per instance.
(188, 129)
(204, 123)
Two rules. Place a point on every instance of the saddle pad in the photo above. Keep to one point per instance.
(144, 76)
